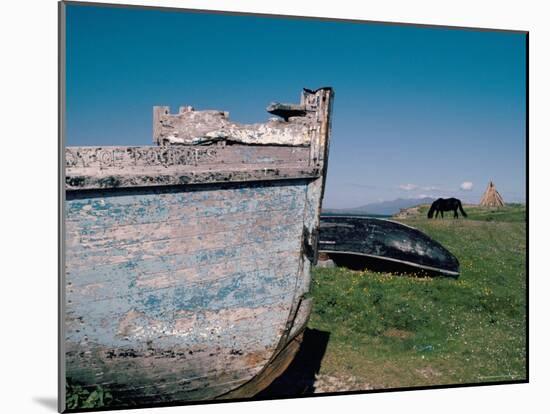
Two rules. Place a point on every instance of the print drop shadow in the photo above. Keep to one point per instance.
(48, 402)
(299, 377)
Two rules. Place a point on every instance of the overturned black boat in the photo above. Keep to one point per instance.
(384, 245)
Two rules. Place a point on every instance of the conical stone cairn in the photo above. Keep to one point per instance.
(491, 197)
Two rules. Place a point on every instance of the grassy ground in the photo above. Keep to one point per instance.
(402, 331)
(508, 213)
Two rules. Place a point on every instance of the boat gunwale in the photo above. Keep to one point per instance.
(325, 216)
(425, 267)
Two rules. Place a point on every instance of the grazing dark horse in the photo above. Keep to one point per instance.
(446, 204)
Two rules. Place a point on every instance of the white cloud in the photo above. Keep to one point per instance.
(411, 187)
(408, 187)
(467, 186)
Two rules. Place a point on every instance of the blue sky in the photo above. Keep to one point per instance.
(418, 111)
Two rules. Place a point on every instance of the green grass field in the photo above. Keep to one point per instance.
(403, 331)
(508, 213)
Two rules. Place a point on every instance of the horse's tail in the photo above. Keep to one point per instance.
(461, 209)
(431, 210)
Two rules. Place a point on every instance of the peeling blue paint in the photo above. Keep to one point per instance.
(105, 273)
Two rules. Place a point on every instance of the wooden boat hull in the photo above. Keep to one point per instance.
(344, 237)
(186, 267)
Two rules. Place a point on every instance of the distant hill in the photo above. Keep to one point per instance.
(386, 208)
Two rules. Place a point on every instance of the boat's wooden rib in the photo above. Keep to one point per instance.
(345, 237)
(186, 263)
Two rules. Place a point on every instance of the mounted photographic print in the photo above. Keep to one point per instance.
(214, 249)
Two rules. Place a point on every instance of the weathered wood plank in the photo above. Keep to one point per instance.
(100, 273)
(207, 334)
(190, 127)
(116, 167)
(107, 158)
(175, 176)
(218, 349)
(149, 294)
(155, 209)
(95, 237)
(116, 253)
(182, 276)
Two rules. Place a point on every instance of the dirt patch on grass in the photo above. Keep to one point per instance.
(429, 372)
(398, 333)
(330, 383)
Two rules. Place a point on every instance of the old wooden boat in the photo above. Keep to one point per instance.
(357, 240)
(187, 262)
